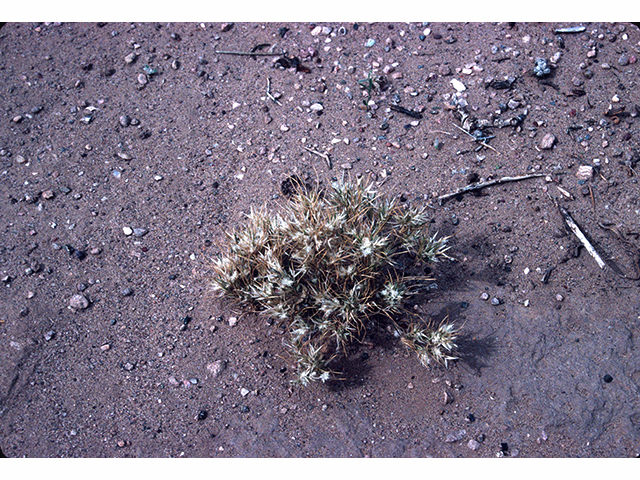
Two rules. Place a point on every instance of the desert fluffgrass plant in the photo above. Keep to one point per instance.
(329, 266)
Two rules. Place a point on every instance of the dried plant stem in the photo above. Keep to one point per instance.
(323, 155)
(479, 186)
(249, 54)
(578, 233)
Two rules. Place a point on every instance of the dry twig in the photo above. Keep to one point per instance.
(249, 54)
(479, 186)
(578, 233)
(323, 155)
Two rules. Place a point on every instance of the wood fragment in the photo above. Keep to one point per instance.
(593, 200)
(406, 111)
(323, 155)
(578, 233)
(479, 186)
(564, 192)
(249, 54)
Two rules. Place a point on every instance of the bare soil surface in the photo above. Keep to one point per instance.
(128, 150)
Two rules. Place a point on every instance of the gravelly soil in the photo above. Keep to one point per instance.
(182, 141)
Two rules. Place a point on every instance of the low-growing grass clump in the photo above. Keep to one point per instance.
(329, 266)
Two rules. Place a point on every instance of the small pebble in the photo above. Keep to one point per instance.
(216, 367)
(126, 292)
(458, 85)
(232, 321)
(142, 79)
(130, 58)
(140, 232)
(106, 347)
(585, 172)
(444, 70)
(127, 231)
(607, 378)
(495, 301)
(49, 335)
(202, 414)
(548, 141)
(128, 366)
(79, 302)
(484, 296)
(473, 444)
(455, 436)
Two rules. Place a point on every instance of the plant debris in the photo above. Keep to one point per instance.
(406, 111)
(329, 267)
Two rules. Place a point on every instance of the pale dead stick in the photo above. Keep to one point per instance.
(578, 233)
(323, 155)
(479, 186)
(248, 54)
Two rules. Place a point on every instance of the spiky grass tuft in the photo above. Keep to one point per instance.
(328, 265)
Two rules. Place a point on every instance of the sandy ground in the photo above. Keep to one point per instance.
(128, 150)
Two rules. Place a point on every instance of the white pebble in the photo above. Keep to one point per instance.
(458, 85)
